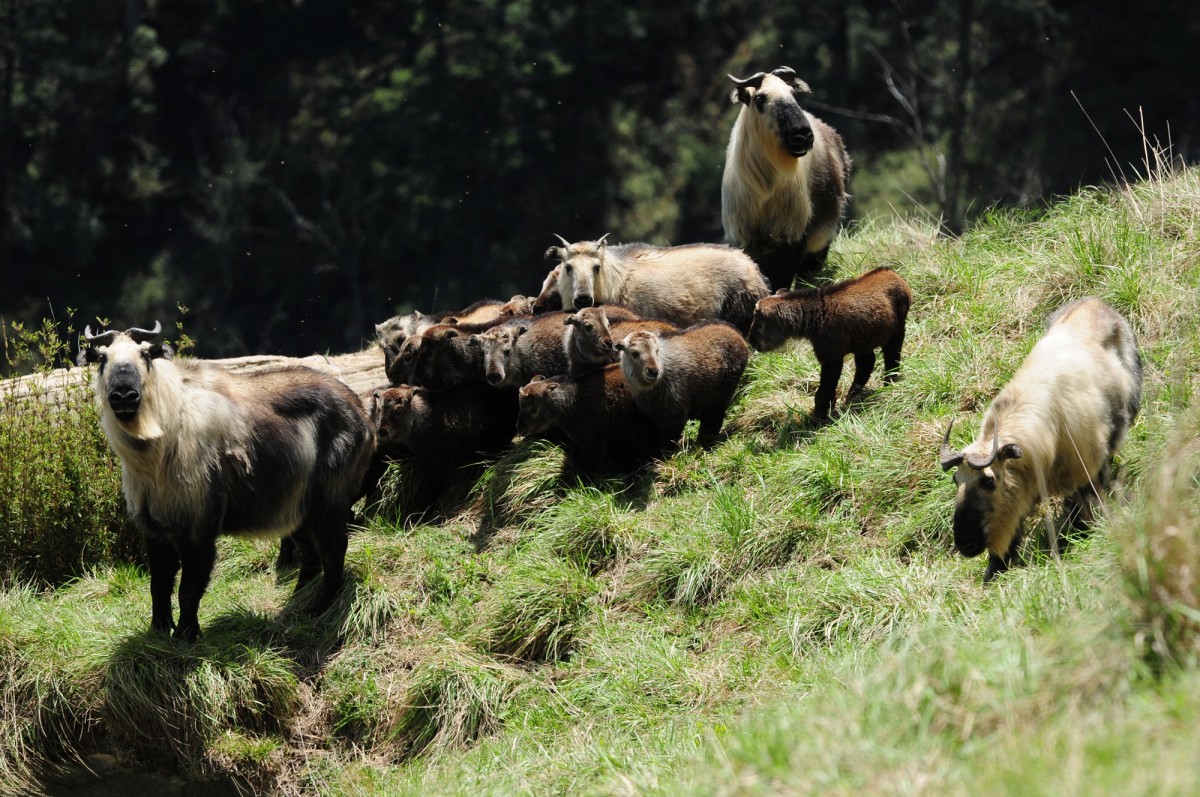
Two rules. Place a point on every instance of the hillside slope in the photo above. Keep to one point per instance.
(782, 614)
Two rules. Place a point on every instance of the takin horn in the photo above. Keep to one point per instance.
(979, 463)
(950, 459)
(140, 335)
(100, 338)
(752, 82)
(565, 242)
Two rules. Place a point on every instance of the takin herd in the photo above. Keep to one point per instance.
(622, 346)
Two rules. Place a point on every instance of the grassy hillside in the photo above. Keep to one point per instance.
(782, 614)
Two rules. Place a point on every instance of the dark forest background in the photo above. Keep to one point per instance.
(295, 170)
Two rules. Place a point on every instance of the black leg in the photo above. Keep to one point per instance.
(332, 546)
(891, 357)
(198, 559)
(164, 564)
(831, 372)
(864, 363)
(996, 566)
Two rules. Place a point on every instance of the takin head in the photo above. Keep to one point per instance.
(990, 502)
(774, 322)
(498, 345)
(126, 359)
(775, 99)
(580, 266)
(640, 360)
(394, 408)
(536, 414)
(594, 333)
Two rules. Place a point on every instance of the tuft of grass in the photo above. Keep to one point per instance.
(536, 610)
(588, 527)
(522, 482)
(1160, 560)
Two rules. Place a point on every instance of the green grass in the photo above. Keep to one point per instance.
(781, 614)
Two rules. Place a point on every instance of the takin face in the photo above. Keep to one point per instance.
(581, 265)
(592, 334)
(400, 362)
(499, 346)
(395, 415)
(126, 359)
(536, 414)
(775, 321)
(990, 502)
(640, 360)
(775, 100)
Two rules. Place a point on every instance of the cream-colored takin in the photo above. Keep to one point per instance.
(1051, 431)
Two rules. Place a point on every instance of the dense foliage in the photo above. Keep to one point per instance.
(294, 171)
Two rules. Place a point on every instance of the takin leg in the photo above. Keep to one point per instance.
(831, 372)
(164, 564)
(197, 558)
(891, 356)
(812, 262)
(325, 536)
(864, 363)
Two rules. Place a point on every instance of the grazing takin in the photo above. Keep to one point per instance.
(206, 452)
(681, 284)
(690, 373)
(595, 412)
(591, 334)
(852, 317)
(786, 176)
(1052, 431)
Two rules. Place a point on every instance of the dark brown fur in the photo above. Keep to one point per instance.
(690, 373)
(591, 334)
(852, 317)
(517, 351)
(447, 357)
(596, 414)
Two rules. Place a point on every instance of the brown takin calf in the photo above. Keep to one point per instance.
(595, 413)
(513, 353)
(589, 340)
(443, 431)
(852, 317)
(392, 334)
(691, 373)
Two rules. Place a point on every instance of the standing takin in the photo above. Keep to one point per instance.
(692, 373)
(852, 317)
(1052, 431)
(206, 452)
(786, 177)
(681, 284)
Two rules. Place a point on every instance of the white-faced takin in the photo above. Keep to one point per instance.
(595, 413)
(852, 317)
(206, 452)
(786, 176)
(690, 373)
(590, 335)
(1051, 431)
(681, 284)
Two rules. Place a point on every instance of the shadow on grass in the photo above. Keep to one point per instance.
(168, 700)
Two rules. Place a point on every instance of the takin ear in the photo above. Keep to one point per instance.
(162, 350)
(781, 291)
(521, 331)
(537, 378)
(450, 333)
(86, 355)
(620, 345)
(556, 251)
(474, 341)
(570, 320)
(742, 94)
(799, 86)
(1010, 451)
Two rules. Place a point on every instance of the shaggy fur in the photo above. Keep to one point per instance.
(548, 299)
(786, 178)
(591, 334)
(597, 417)
(691, 373)
(1052, 430)
(513, 353)
(206, 452)
(447, 357)
(681, 284)
(852, 317)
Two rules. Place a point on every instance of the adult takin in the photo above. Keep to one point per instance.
(681, 284)
(596, 415)
(206, 452)
(591, 334)
(1051, 431)
(787, 173)
(690, 373)
(855, 317)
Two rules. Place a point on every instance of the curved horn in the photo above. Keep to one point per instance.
(565, 242)
(753, 82)
(140, 335)
(100, 338)
(950, 459)
(784, 73)
(979, 463)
